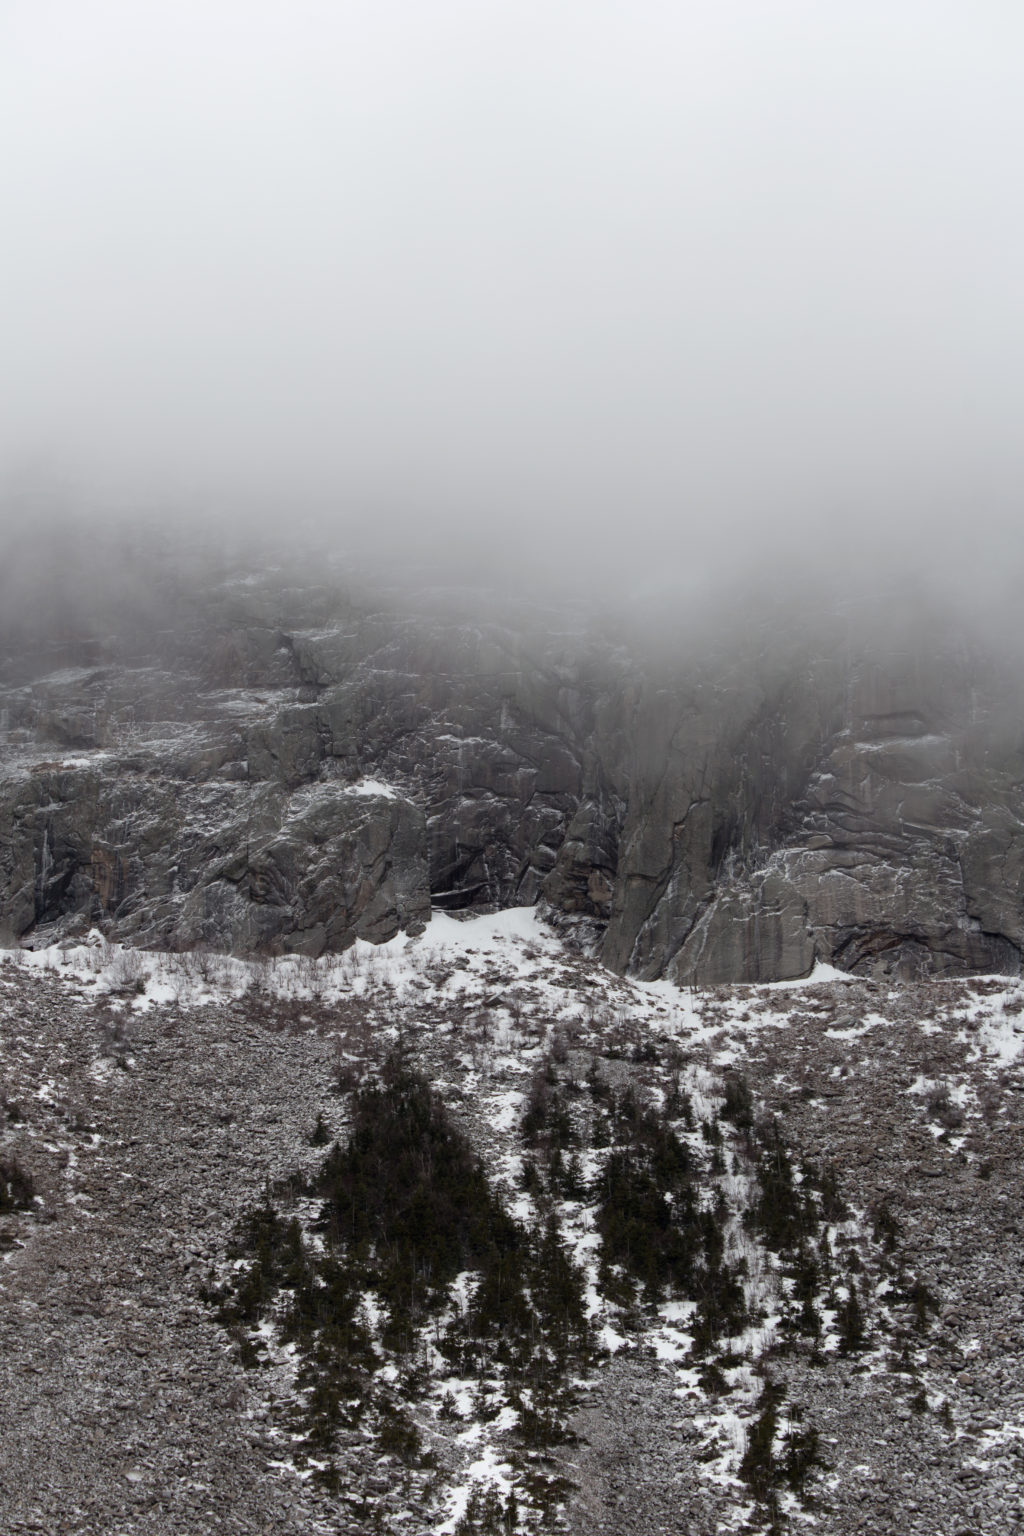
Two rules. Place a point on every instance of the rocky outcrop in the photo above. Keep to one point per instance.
(280, 768)
(889, 862)
(178, 864)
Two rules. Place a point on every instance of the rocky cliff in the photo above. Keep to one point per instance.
(268, 765)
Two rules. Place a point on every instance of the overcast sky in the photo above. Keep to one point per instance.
(718, 276)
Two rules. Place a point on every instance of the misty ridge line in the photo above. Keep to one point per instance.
(74, 573)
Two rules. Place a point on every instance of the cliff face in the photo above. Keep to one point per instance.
(288, 770)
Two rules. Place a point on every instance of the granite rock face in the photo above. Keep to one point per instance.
(888, 858)
(175, 864)
(281, 768)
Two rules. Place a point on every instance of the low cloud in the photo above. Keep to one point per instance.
(678, 303)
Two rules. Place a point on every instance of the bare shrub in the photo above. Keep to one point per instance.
(942, 1109)
(559, 1046)
(990, 1102)
(127, 972)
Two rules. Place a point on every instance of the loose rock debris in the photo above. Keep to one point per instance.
(151, 1120)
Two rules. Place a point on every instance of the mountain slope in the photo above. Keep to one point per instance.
(280, 767)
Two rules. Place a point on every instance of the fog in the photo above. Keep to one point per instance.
(649, 297)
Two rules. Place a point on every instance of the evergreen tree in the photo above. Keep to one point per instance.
(852, 1335)
(17, 1187)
